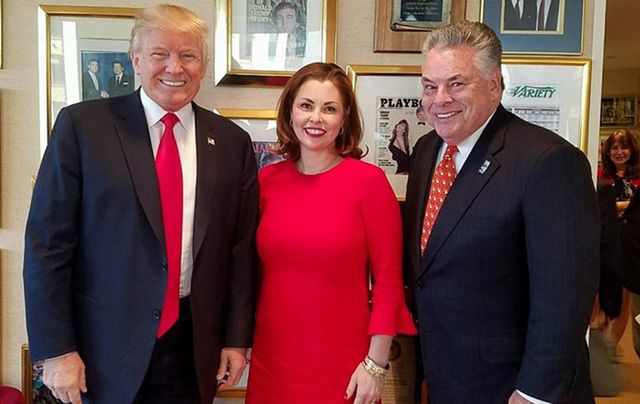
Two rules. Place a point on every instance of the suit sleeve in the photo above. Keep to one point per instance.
(242, 285)
(560, 212)
(50, 245)
(381, 216)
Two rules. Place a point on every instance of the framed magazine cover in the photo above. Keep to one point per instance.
(389, 98)
(553, 93)
(263, 42)
(523, 27)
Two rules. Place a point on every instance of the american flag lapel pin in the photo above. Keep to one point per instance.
(484, 166)
(210, 141)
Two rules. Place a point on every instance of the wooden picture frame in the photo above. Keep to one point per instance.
(411, 38)
(249, 50)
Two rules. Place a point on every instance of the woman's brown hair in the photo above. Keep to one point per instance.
(351, 133)
(627, 140)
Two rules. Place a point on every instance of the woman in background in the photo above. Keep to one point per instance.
(399, 146)
(327, 219)
(618, 182)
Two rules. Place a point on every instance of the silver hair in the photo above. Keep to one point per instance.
(487, 46)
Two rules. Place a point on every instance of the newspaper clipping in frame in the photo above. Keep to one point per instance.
(399, 124)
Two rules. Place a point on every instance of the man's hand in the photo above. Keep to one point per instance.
(64, 375)
(232, 364)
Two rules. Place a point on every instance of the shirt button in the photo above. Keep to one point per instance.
(164, 267)
(156, 314)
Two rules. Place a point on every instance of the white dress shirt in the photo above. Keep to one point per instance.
(185, 134)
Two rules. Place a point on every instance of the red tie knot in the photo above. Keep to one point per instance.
(450, 151)
(169, 120)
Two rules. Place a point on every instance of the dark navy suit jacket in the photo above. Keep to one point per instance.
(508, 278)
(94, 269)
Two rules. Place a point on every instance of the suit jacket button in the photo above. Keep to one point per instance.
(156, 314)
(164, 267)
(420, 284)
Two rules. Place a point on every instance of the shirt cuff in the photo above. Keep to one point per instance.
(533, 400)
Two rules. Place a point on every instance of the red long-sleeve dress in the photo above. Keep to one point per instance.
(318, 236)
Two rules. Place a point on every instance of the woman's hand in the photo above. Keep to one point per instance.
(367, 388)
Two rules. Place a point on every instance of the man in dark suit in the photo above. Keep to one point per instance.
(505, 262)
(519, 15)
(547, 15)
(139, 248)
(91, 85)
(120, 83)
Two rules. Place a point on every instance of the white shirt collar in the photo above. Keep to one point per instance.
(154, 112)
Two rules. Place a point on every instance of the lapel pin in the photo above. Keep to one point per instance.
(484, 166)
(210, 141)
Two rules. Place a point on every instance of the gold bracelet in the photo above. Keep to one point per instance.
(373, 368)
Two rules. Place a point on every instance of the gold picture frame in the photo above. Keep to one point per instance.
(243, 46)
(0, 34)
(69, 34)
(27, 374)
(261, 126)
(410, 39)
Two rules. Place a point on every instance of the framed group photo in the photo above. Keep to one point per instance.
(85, 55)
(263, 42)
(552, 27)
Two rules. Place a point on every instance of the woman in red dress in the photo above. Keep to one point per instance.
(327, 221)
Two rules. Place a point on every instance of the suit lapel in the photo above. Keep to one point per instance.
(133, 132)
(478, 169)
(208, 171)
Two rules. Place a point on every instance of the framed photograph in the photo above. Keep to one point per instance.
(553, 93)
(261, 126)
(0, 34)
(619, 111)
(263, 42)
(535, 26)
(403, 25)
(84, 54)
(390, 101)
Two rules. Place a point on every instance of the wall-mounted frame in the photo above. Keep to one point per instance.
(396, 32)
(253, 46)
(389, 97)
(553, 93)
(560, 32)
(0, 34)
(261, 126)
(33, 389)
(621, 110)
(76, 39)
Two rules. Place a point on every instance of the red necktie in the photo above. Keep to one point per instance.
(441, 182)
(169, 173)
(541, 16)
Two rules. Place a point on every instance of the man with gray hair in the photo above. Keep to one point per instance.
(139, 247)
(501, 231)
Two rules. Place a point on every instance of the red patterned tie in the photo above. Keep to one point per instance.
(541, 16)
(441, 182)
(169, 173)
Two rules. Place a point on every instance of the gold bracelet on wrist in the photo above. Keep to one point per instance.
(373, 368)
